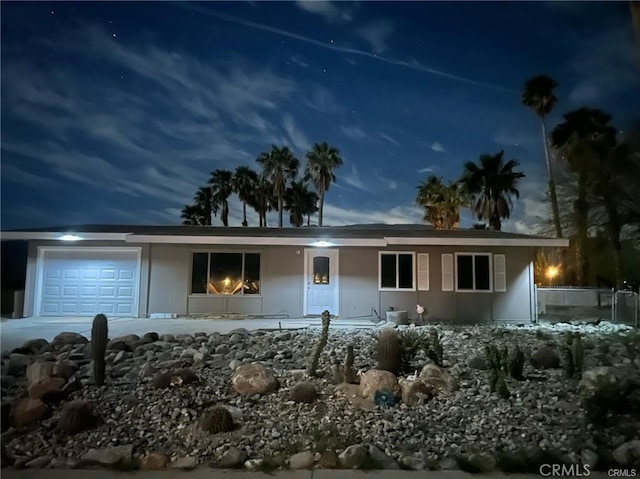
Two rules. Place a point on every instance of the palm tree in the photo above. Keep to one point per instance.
(491, 184)
(300, 202)
(222, 187)
(279, 165)
(194, 215)
(441, 202)
(206, 202)
(322, 159)
(244, 183)
(262, 199)
(582, 139)
(538, 95)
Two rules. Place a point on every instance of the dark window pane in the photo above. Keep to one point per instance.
(388, 271)
(225, 273)
(482, 272)
(199, 273)
(321, 270)
(465, 272)
(405, 271)
(252, 273)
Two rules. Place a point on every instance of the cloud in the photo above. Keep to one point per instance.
(506, 136)
(428, 169)
(298, 139)
(327, 10)
(437, 147)
(337, 216)
(322, 100)
(390, 139)
(377, 34)
(352, 178)
(299, 60)
(354, 132)
(18, 175)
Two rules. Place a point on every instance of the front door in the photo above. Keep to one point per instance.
(321, 278)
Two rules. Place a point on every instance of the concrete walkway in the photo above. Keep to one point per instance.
(14, 332)
(206, 473)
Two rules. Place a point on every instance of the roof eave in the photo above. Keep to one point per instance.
(434, 241)
(255, 240)
(64, 237)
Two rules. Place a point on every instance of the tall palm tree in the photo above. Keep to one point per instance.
(244, 183)
(300, 202)
(322, 159)
(441, 202)
(205, 200)
(491, 185)
(279, 165)
(538, 95)
(582, 138)
(222, 187)
(262, 199)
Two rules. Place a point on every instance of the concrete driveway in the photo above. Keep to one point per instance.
(14, 332)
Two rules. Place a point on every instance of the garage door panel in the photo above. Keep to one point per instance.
(85, 283)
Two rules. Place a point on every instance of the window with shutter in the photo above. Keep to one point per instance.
(423, 271)
(447, 272)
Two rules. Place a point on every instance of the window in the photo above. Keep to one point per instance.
(225, 273)
(473, 272)
(321, 270)
(396, 271)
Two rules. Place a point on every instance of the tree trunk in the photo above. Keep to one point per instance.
(280, 208)
(244, 214)
(495, 223)
(224, 216)
(581, 208)
(614, 227)
(553, 197)
(321, 209)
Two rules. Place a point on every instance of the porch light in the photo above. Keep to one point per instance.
(69, 238)
(552, 272)
(322, 244)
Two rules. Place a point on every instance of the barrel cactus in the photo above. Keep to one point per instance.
(389, 351)
(216, 420)
(76, 416)
(303, 392)
(99, 338)
(385, 398)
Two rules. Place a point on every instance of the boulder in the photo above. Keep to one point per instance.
(415, 392)
(154, 461)
(302, 460)
(441, 381)
(329, 460)
(18, 364)
(68, 338)
(381, 459)
(354, 457)
(250, 379)
(184, 463)
(233, 458)
(33, 346)
(478, 362)
(28, 411)
(123, 343)
(109, 456)
(628, 454)
(39, 370)
(46, 386)
(482, 462)
(545, 357)
(375, 380)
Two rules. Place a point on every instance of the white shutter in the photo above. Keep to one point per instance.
(499, 273)
(423, 271)
(447, 272)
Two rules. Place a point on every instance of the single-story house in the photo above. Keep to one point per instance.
(353, 271)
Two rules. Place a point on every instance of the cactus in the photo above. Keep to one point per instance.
(435, 352)
(349, 371)
(99, 337)
(77, 416)
(385, 398)
(324, 338)
(501, 387)
(516, 364)
(566, 358)
(493, 378)
(216, 420)
(577, 355)
(389, 352)
(303, 392)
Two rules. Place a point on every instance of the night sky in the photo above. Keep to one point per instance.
(117, 112)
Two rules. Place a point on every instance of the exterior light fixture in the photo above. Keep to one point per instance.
(322, 244)
(70, 238)
(552, 272)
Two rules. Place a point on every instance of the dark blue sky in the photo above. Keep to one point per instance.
(116, 112)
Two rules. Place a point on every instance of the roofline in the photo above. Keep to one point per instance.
(287, 241)
(59, 236)
(430, 241)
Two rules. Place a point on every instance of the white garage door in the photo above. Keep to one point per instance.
(87, 281)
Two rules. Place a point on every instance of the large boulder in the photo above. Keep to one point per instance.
(109, 456)
(66, 338)
(415, 391)
(628, 454)
(546, 357)
(354, 457)
(375, 380)
(39, 370)
(46, 386)
(441, 381)
(610, 388)
(27, 411)
(123, 343)
(250, 379)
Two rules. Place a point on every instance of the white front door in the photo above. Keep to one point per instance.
(321, 281)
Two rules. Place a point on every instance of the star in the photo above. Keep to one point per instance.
(114, 35)
(331, 41)
(53, 12)
(324, 70)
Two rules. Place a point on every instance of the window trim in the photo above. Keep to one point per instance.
(206, 294)
(413, 267)
(473, 254)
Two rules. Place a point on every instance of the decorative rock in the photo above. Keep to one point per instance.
(302, 460)
(482, 461)
(413, 463)
(38, 462)
(546, 357)
(415, 392)
(375, 380)
(33, 346)
(438, 379)
(18, 364)
(39, 370)
(45, 386)
(250, 379)
(154, 461)
(381, 459)
(123, 343)
(478, 362)
(628, 454)
(354, 457)
(184, 463)
(68, 338)
(109, 456)
(329, 460)
(233, 458)
(234, 363)
(28, 411)
(235, 338)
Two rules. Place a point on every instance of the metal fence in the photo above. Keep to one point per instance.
(626, 307)
(567, 303)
